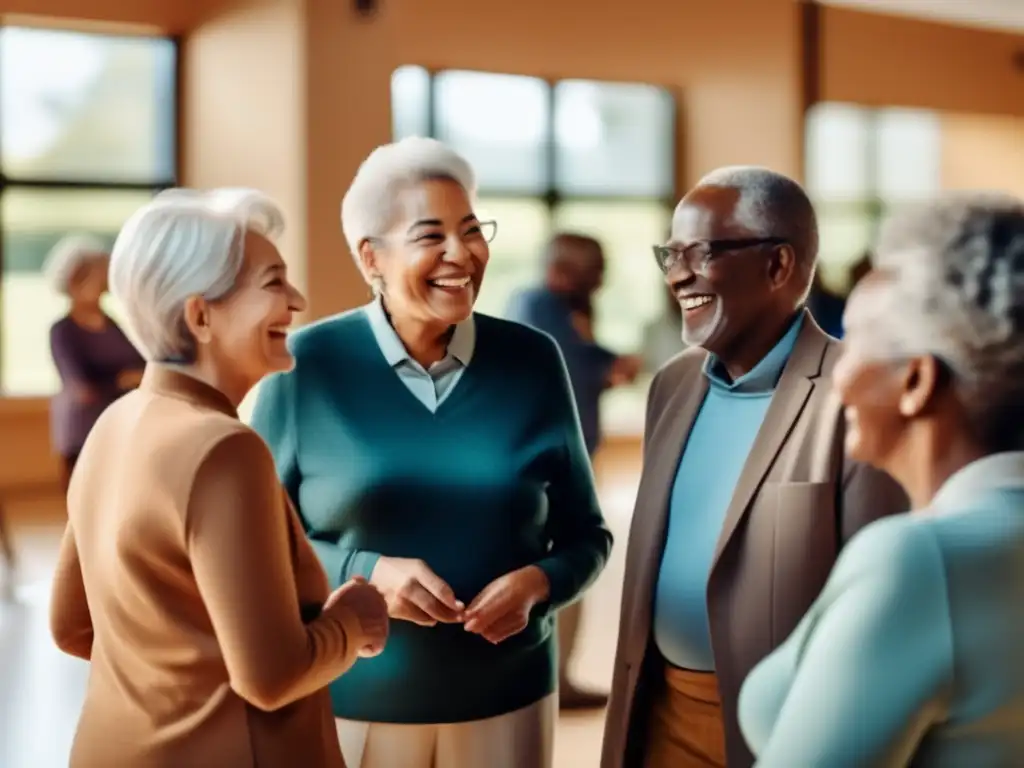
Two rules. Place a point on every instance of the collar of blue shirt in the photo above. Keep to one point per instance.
(460, 348)
(765, 375)
(999, 471)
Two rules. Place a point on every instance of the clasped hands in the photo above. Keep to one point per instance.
(415, 593)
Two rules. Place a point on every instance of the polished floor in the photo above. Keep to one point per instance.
(41, 689)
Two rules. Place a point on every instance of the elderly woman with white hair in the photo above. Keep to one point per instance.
(184, 575)
(437, 452)
(95, 360)
(913, 653)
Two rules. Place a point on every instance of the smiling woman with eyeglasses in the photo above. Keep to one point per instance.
(437, 452)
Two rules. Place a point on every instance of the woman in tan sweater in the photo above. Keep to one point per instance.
(184, 575)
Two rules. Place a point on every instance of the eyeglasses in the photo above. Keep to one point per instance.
(700, 253)
(484, 231)
(488, 229)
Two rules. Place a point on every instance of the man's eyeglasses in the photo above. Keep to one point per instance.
(699, 254)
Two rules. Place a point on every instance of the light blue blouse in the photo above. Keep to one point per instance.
(429, 386)
(914, 652)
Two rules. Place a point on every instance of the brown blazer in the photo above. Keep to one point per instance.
(796, 502)
(184, 576)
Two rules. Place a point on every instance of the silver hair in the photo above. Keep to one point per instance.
(69, 256)
(183, 243)
(370, 205)
(956, 270)
(772, 205)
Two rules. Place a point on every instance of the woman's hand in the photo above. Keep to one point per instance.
(415, 593)
(366, 603)
(83, 393)
(129, 379)
(503, 608)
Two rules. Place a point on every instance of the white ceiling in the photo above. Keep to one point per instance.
(1001, 14)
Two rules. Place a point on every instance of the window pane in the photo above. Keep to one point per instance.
(614, 139)
(33, 221)
(634, 293)
(909, 160)
(410, 102)
(500, 124)
(846, 233)
(523, 229)
(86, 107)
(838, 152)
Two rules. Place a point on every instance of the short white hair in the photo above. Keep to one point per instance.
(183, 243)
(371, 203)
(772, 205)
(69, 256)
(956, 291)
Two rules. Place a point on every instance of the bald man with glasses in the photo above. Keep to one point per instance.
(745, 497)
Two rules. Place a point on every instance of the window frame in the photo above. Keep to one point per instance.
(154, 185)
(873, 203)
(550, 195)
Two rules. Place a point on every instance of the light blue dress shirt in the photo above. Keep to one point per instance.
(430, 386)
(712, 461)
(914, 652)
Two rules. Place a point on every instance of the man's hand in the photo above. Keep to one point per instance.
(624, 370)
(415, 593)
(368, 605)
(503, 608)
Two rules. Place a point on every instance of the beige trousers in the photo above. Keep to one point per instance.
(686, 728)
(521, 739)
(568, 624)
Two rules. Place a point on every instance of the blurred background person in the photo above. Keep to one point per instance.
(183, 576)
(95, 360)
(912, 654)
(437, 453)
(663, 336)
(563, 307)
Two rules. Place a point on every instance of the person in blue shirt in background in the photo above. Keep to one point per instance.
(562, 307)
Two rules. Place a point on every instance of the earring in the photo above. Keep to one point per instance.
(377, 284)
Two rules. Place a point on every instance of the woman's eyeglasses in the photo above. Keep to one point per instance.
(699, 254)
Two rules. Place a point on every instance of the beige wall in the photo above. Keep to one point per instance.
(982, 152)
(290, 95)
(889, 60)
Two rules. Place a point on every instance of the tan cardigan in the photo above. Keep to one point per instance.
(180, 577)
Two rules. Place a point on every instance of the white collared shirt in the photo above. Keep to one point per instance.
(429, 386)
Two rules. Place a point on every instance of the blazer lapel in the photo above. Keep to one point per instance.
(791, 395)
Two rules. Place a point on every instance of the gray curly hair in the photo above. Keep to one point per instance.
(957, 292)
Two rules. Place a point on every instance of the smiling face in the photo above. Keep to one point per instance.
(734, 291)
(246, 332)
(871, 382)
(431, 262)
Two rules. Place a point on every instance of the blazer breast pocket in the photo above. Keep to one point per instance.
(805, 548)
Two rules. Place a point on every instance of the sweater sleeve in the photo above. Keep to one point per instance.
(826, 697)
(68, 356)
(579, 540)
(238, 544)
(274, 419)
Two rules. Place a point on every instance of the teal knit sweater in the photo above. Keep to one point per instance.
(496, 479)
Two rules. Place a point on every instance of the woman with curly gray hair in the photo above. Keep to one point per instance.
(912, 654)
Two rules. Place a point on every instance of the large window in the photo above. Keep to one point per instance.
(87, 135)
(590, 157)
(861, 164)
